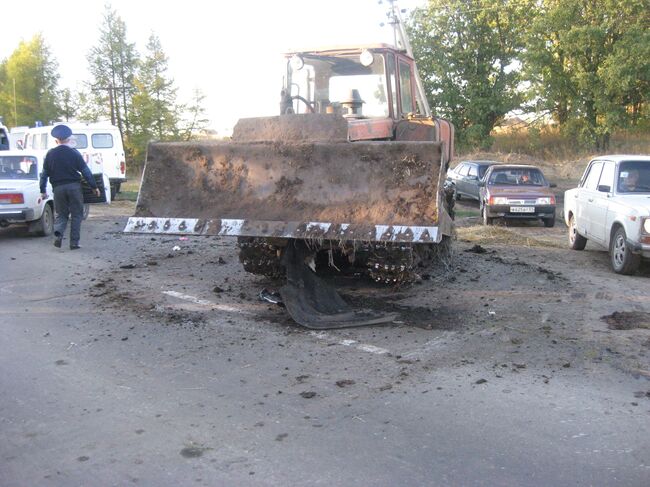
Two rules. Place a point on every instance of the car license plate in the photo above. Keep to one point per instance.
(522, 209)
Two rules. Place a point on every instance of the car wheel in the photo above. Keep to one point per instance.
(44, 226)
(86, 211)
(576, 241)
(486, 219)
(549, 222)
(115, 189)
(623, 260)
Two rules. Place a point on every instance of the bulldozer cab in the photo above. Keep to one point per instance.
(357, 82)
(373, 87)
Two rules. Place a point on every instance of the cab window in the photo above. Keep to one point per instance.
(392, 76)
(102, 141)
(405, 87)
(473, 172)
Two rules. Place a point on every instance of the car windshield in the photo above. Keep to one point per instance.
(517, 177)
(634, 177)
(18, 167)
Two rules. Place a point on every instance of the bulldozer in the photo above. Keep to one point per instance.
(347, 178)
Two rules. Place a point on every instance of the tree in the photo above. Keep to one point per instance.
(468, 55)
(28, 84)
(69, 104)
(195, 118)
(589, 64)
(88, 108)
(113, 63)
(155, 112)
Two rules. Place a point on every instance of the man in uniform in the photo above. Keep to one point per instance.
(64, 166)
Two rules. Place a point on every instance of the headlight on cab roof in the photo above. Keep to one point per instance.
(646, 225)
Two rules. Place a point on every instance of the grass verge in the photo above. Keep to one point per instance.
(496, 235)
(129, 190)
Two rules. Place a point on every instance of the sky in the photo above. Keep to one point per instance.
(230, 50)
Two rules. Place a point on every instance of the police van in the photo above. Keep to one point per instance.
(17, 136)
(100, 145)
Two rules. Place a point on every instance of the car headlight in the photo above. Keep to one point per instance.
(544, 201)
(499, 200)
(646, 225)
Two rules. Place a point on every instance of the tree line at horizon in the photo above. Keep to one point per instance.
(132, 90)
(582, 64)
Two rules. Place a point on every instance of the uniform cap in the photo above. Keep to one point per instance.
(61, 132)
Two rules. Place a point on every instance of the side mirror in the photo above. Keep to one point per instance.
(552, 185)
(604, 188)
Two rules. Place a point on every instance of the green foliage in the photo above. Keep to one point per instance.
(155, 114)
(88, 110)
(113, 63)
(589, 65)
(467, 54)
(33, 72)
(137, 95)
(195, 119)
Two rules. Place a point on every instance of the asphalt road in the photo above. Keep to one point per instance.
(169, 388)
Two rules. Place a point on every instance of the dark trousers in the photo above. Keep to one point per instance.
(68, 204)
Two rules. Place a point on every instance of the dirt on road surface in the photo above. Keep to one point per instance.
(151, 360)
(514, 295)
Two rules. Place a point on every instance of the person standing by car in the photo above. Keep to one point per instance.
(64, 166)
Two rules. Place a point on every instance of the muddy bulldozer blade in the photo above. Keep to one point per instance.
(362, 191)
(313, 303)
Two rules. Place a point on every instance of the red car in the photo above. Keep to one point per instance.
(516, 192)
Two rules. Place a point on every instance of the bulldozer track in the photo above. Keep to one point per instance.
(391, 264)
(260, 257)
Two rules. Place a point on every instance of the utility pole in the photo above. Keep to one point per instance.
(15, 106)
(111, 99)
(112, 103)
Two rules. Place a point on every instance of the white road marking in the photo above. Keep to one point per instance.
(430, 347)
(321, 335)
(372, 349)
(363, 347)
(204, 302)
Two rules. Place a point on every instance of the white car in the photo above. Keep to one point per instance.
(20, 195)
(611, 208)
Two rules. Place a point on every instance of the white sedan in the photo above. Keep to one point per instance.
(20, 196)
(611, 208)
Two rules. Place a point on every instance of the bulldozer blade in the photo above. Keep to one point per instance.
(347, 191)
